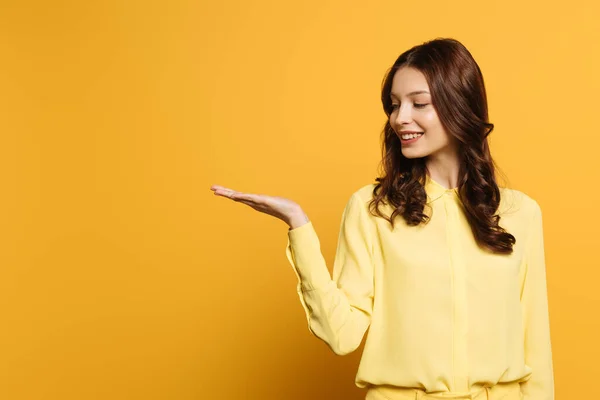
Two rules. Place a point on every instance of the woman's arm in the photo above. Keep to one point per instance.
(338, 310)
(534, 301)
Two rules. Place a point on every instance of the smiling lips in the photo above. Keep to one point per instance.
(408, 135)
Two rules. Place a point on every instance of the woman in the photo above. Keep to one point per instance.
(444, 268)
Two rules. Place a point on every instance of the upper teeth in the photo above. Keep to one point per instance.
(410, 135)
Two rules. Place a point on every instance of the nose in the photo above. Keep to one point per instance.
(403, 115)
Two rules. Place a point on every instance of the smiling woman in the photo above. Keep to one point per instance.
(453, 296)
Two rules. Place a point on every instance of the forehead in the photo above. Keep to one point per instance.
(407, 80)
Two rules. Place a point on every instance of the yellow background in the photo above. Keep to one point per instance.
(123, 277)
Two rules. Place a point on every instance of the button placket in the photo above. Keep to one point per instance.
(458, 277)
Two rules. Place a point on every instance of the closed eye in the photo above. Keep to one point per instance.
(417, 105)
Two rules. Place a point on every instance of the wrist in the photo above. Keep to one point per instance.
(297, 219)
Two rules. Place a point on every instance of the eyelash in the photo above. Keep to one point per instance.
(417, 105)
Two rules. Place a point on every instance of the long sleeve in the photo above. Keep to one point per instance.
(338, 310)
(534, 302)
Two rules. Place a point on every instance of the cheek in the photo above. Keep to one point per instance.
(432, 125)
(431, 118)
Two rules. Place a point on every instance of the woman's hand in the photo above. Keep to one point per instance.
(279, 207)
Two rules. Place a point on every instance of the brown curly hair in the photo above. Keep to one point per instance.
(459, 97)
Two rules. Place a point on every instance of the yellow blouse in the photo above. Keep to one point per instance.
(443, 314)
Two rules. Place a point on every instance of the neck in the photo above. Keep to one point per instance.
(443, 169)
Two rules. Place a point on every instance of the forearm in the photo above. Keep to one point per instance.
(338, 317)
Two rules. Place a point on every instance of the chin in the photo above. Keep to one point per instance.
(413, 153)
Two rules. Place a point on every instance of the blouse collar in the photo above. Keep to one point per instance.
(435, 190)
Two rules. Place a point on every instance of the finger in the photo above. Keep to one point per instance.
(248, 197)
(225, 192)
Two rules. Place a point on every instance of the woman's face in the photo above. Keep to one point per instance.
(412, 111)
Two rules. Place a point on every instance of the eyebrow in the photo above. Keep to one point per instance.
(413, 93)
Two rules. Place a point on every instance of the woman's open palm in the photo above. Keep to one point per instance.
(279, 207)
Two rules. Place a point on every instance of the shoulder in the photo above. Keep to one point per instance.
(516, 201)
(360, 197)
(365, 192)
